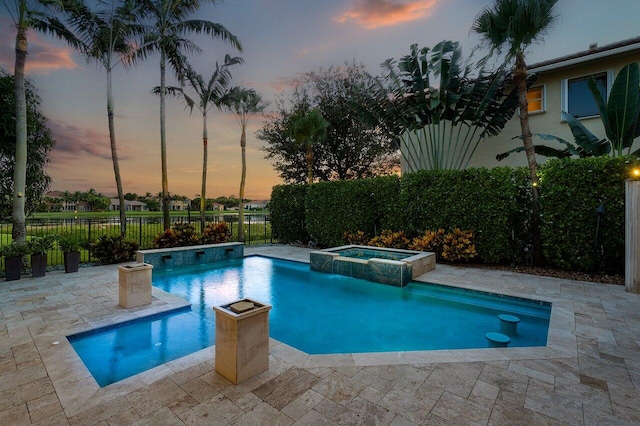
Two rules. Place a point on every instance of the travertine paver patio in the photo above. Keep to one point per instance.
(588, 374)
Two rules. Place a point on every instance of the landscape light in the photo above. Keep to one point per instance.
(636, 173)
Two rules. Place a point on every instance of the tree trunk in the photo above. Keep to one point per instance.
(114, 155)
(166, 221)
(243, 177)
(520, 76)
(18, 232)
(309, 163)
(203, 191)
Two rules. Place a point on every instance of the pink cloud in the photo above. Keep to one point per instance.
(380, 13)
(73, 142)
(43, 57)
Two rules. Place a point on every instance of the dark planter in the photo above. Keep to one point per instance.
(38, 264)
(71, 261)
(13, 267)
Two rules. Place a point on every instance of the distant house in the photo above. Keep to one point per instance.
(130, 206)
(256, 205)
(561, 86)
(217, 206)
(179, 205)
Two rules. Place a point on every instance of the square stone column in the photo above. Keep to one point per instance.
(632, 236)
(242, 339)
(135, 285)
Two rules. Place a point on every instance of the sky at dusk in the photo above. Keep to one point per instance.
(282, 39)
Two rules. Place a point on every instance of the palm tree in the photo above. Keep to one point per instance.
(165, 35)
(106, 37)
(243, 103)
(208, 95)
(515, 25)
(308, 128)
(26, 14)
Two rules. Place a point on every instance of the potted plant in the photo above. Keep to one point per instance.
(13, 254)
(38, 247)
(70, 246)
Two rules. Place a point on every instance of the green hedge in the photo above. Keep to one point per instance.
(494, 203)
(287, 213)
(570, 192)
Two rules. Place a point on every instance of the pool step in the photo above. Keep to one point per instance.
(497, 340)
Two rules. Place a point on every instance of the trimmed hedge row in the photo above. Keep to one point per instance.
(494, 203)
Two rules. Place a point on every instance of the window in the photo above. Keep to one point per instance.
(535, 98)
(577, 99)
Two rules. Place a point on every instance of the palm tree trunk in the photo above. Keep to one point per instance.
(203, 192)
(309, 163)
(114, 155)
(243, 177)
(520, 76)
(166, 221)
(18, 232)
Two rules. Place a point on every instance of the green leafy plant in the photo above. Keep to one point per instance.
(114, 249)
(40, 245)
(14, 250)
(216, 233)
(390, 239)
(69, 242)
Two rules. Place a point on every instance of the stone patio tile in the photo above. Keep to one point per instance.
(300, 406)
(401, 421)
(455, 378)
(16, 415)
(44, 407)
(407, 375)
(199, 389)
(313, 418)
(461, 411)
(362, 412)
(101, 412)
(380, 383)
(339, 388)
(191, 373)
(484, 393)
(282, 390)
(406, 403)
(127, 417)
(213, 412)
(163, 416)
(588, 396)
(542, 400)
(248, 402)
(504, 413)
(628, 415)
(180, 405)
(329, 408)
(262, 414)
(531, 372)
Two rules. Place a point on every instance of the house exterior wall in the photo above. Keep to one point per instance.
(549, 121)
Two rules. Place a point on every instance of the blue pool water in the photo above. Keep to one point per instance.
(312, 311)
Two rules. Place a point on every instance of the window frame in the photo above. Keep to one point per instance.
(543, 99)
(564, 90)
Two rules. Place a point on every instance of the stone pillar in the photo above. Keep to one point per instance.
(242, 339)
(135, 285)
(632, 236)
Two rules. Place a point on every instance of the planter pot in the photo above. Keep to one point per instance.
(71, 261)
(38, 264)
(13, 267)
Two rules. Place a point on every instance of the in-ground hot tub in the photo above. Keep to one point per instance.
(383, 265)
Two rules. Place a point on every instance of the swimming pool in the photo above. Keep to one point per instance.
(317, 313)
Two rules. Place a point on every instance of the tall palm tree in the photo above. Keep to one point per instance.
(513, 25)
(165, 34)
(106, 36)
(26, 14)
(243, 103)
(209, 94)
(308, 128)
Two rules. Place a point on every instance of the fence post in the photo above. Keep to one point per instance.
(140, 233)
(249, 219)
(89, 238)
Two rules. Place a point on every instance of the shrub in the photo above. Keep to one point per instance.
(114, 249)
(216, 233)
(390, 239)
(430, 241)
(358, 238)
(182, 234)
(458, 246)
(40, 245)
(288, 222)
(14, 250)
(69, 242)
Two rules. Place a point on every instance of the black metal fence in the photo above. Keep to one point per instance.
(143, 229)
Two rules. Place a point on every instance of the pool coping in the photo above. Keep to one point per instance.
(76, 388)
